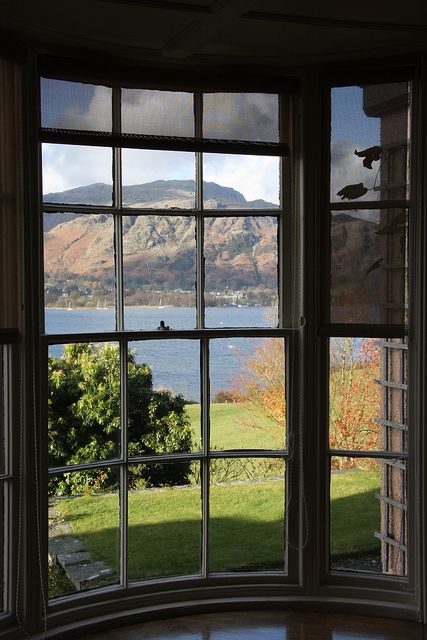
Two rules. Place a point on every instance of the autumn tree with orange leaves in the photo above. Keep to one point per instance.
(354, 398)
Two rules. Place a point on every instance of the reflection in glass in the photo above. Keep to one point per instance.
(241, 116)
(74, 174)
(83, 403)
(4, 486)
(164, 397)
(247, 518)
(74, 105)
(158, 179)
(162, 113)
(159, 266)
(247, 409)
(368, 515)
(369, 266)
(367, 395)
(79, 271)
(84, 531)
(164, 536)
(240, 182)
(241, 267)
(3, 406)
(369, 134)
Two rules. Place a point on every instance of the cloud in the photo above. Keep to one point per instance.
(170, 113)
(69, 166)
(141, 165)
(254, 176)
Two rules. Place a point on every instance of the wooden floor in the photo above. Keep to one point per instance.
(269, 626)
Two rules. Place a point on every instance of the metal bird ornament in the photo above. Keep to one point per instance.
(369, 155)
(352, 191)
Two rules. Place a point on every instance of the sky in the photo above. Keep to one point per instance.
(244, 116)
(80, 106)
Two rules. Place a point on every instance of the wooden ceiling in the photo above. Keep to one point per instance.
(223, 32)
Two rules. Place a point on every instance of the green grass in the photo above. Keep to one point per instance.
(236, 426)
(246, 528)
(355, 512)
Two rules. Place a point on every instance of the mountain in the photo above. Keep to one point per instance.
(159, 253)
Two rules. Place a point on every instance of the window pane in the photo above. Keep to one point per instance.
(164, 397)
(241, 271)
(368, 394)
(84, 530)
(73, 105)
(368, 515)
(83, 403)
(369, 134)
(162, 113)
(241, 116)
(159, 271)
(3, 406)
(79, 272)
(158, 179)
(73, 174)
(4, 487)
(369, 266)
(164, 537)
(247, 382)
(240, 182)
(247, 527)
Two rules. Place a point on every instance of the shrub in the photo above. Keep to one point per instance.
(84, 420)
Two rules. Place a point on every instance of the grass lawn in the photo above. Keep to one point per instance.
(246, 527)
(236, 426)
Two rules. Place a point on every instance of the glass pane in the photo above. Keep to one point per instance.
(4, 488)
(162, 113)
(84, 531)
(74, 105)
(74, 174)
(247, 390)
(159, 271)
(164, 397)
(83, 403)
(158, 179)
(3, 406)
(368, 394)
(247, 517)
(369, 266)
(165, 529)
(79, 272)
(240, 182)
(368, 515)
(369, 136)
(241, 116)
(241, 271)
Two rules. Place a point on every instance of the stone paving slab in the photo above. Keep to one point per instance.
(60, 529)
(65, 559)
(84, 576)
(53, 513)
(59, 546)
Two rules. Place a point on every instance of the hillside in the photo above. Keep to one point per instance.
(159, 251)
(159, 254)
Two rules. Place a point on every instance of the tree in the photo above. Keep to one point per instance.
(354, 398)
(261, 383)
(84, 420)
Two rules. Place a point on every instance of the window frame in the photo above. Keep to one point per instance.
(311, 586)
(285, 330)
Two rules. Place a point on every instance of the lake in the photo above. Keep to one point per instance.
(175, 363)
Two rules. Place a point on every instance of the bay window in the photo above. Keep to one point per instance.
(223, 370)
